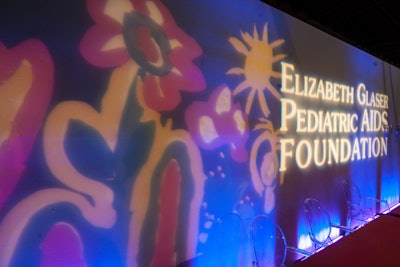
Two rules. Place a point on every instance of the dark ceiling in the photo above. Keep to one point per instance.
(371, 25)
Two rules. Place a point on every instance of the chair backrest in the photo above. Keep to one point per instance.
(350, 191)
(268, 241)
(361, 203)
(319, 222)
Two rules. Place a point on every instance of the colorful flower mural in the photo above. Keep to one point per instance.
(151, 63)
(130, 129)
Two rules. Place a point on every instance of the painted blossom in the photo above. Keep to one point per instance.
(219, 121)
(146, 32)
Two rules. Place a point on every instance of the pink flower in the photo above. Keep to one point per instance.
(218, 122)
(146, 32)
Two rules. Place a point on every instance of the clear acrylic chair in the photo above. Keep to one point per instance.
(320, 224)
(269, 242)
(359, 207)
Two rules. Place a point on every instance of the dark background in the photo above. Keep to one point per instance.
(371, 25)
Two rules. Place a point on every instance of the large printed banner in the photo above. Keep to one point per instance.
(130, 128)
(332, 126)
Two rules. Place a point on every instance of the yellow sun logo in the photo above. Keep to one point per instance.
(257, 67)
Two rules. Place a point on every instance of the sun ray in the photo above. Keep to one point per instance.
(246, 37)
(273, 90)
(277, 43)
(241, 87)
(255, 33)
(265, 34)
(235, 70)
(275, 74)
(263, 103)
(278, 57)
(239, 46)
(249, 101)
